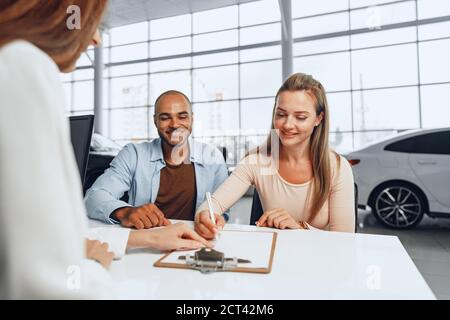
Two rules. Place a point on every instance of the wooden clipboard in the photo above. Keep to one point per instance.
(168, 261)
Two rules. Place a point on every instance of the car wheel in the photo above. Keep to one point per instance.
(398, 206)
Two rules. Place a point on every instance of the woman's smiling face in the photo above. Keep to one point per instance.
(295, 117)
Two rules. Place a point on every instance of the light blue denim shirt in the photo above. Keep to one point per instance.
(136, 169)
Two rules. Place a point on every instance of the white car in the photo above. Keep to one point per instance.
(405, 177)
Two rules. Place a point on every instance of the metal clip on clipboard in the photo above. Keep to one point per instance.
(208, 260)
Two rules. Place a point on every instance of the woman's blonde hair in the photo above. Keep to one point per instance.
(319, 148)
(44, 23)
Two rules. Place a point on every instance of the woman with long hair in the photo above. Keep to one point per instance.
(301, 182)
(43, 223)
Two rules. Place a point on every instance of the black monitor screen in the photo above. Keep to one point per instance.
(81, 133)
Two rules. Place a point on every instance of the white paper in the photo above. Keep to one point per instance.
(253, 246)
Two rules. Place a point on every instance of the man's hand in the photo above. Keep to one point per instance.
(144, 217)
(277, 218)
(205, 227)
(174, 237)
(98, 251)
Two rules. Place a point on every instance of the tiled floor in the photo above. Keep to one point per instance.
(428, 244)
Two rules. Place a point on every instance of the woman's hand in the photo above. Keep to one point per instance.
(278, 218)
(98, 251)
(173, 237)
(205, 227)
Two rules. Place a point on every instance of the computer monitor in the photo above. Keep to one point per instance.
(81, 133)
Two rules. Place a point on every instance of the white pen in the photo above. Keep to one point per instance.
(211, 211)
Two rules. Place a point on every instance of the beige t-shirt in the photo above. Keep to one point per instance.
(337, 214)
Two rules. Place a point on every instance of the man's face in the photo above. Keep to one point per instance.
(173, 119)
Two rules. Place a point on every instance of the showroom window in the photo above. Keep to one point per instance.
(383, 64)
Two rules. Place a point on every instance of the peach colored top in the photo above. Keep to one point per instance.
(337, 214)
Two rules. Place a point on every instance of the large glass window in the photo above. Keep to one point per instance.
(170, 27)
(385, 109)
(160, 82)
(129, 91)
(260, 79)
(129, 52)
(321, 24)
(332, 70)
(434, 30)
(200, 55)
(263, 53)
(268, 11)
(363, 138)
(132, 33)
(170, 64)
(259, 34)
(341, 142)
(214, 59)
(340, 111)
(83, 74)
(321, 46)
(218, 83)
(256, 115)
(170, 47)
(385, 67)
(433, 8)
(435, 105)
(214, 20)
(219, 118)
(304, 8)
(131, 123)
(216, 40)
(434, 61)
(383, 37)
(383, 63)
(129, 69)
(83, 95)
(367, 3)
(86, 59)
(374, 17)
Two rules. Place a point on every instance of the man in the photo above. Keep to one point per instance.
(165, 179)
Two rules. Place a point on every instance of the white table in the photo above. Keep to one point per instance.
(307, 265)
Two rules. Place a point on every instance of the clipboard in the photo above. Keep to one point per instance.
(256, 246)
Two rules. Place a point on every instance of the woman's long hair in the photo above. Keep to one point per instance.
(318, 146)
(44, 23)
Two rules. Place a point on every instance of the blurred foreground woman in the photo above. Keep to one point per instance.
(44, 252)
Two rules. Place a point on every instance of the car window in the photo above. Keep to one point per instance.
(431, 143)
(405, 145)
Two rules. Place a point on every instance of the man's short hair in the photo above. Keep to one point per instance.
(169, 92)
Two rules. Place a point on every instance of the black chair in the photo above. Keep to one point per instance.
(257, 209)
(81, 128)
(224, 151)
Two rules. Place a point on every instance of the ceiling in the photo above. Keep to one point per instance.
(123, 12)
